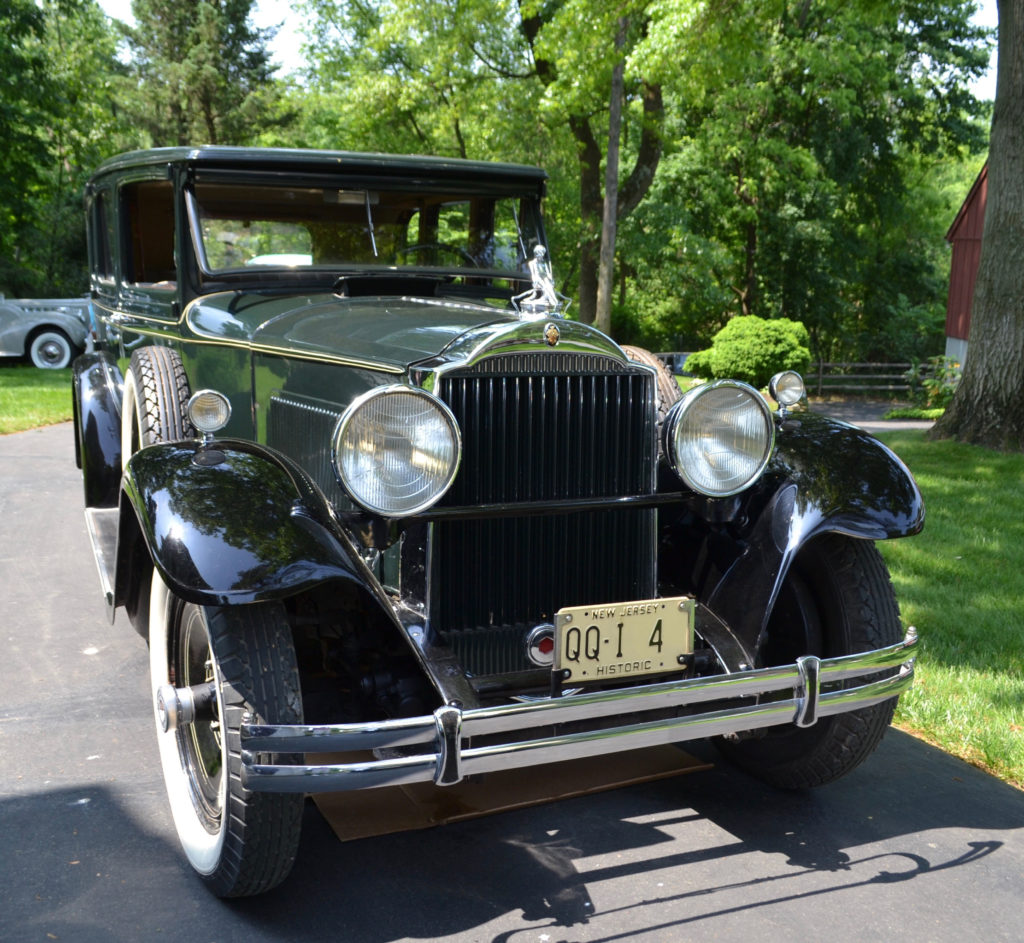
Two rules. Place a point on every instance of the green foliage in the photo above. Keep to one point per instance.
(22, 107)
(58, 118)
(753, 349)
(201, 73)
(939, 380)
(766, 168)
(798, 161)
(913, 413)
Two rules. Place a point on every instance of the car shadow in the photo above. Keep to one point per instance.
(435, 883)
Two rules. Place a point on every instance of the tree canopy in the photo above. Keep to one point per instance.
(797, 159)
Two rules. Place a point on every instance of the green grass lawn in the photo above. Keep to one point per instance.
(30, 397)
(961, 582)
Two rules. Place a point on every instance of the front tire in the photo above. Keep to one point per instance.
(241, 843)
(836, 600)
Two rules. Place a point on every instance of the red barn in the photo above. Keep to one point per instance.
(965, 237)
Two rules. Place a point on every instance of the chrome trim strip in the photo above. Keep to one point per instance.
(449, 757)
(124, 321)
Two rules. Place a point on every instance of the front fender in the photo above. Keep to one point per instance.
(96, 383)
(230, 523)
(825, 476)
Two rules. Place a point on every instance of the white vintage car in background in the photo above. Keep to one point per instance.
(50, 332)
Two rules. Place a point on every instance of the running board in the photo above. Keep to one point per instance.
(102, 526)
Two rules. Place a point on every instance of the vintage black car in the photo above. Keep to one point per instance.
(386, 516)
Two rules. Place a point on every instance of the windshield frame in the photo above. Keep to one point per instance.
(522, 196)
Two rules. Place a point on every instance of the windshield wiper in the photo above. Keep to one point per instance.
(369, 223)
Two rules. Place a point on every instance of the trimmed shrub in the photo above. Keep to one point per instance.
(753, 349)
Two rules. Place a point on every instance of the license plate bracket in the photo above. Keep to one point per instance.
(616, 641)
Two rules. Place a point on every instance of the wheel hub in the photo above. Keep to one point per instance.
(178, 707)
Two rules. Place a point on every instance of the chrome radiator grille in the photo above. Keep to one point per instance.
(542, 427)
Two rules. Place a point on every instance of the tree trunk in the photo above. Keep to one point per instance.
(633, 189)
(606, 266)
(591, 211)
(988, 408)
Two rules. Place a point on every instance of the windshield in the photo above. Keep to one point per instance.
(243, 226)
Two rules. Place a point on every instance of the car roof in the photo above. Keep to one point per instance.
(298, 160)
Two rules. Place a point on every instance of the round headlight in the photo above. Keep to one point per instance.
(209, 411)
(396, 450)
(719, 437)
(786, 388)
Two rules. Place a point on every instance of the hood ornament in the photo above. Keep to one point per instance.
(542, 300)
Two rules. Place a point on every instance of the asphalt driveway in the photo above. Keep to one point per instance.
(913, 846)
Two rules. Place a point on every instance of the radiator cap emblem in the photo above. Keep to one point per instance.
(551, 334)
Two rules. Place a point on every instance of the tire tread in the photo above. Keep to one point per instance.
(254, 650)
(162, 390)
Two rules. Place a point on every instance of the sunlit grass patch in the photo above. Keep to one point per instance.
(31, 397)
(961, 582)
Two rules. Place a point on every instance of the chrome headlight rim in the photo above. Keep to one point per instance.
(678, 413)
(349, 416)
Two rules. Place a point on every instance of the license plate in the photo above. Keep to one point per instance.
(614, 641)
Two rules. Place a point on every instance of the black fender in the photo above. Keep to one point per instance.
(824, 477)
(96, 384)
(228, 523)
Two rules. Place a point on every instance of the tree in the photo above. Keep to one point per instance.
(59, 119)
(795, 162)
(202, 73)
(782, 159)
(988, 407)
(609, 217)
(575, 47)
(23, 94)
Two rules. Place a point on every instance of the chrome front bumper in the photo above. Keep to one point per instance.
(439, 747)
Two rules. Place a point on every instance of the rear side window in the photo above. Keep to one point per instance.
(147, 213)
(101, 237)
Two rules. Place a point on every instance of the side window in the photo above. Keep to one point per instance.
(101, 240)
(147, 215)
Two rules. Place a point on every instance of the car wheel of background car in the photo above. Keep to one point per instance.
(51, 349)
(153, 407)
(221, 664)
(667, 390)
(837, 600)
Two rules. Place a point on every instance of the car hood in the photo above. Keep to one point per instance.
(392, 332)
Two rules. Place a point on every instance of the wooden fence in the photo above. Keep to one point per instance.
(822, 379)
(866, 378)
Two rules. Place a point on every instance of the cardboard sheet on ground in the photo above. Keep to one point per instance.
(404, 808)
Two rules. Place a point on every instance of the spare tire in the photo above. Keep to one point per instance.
(667, 391)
